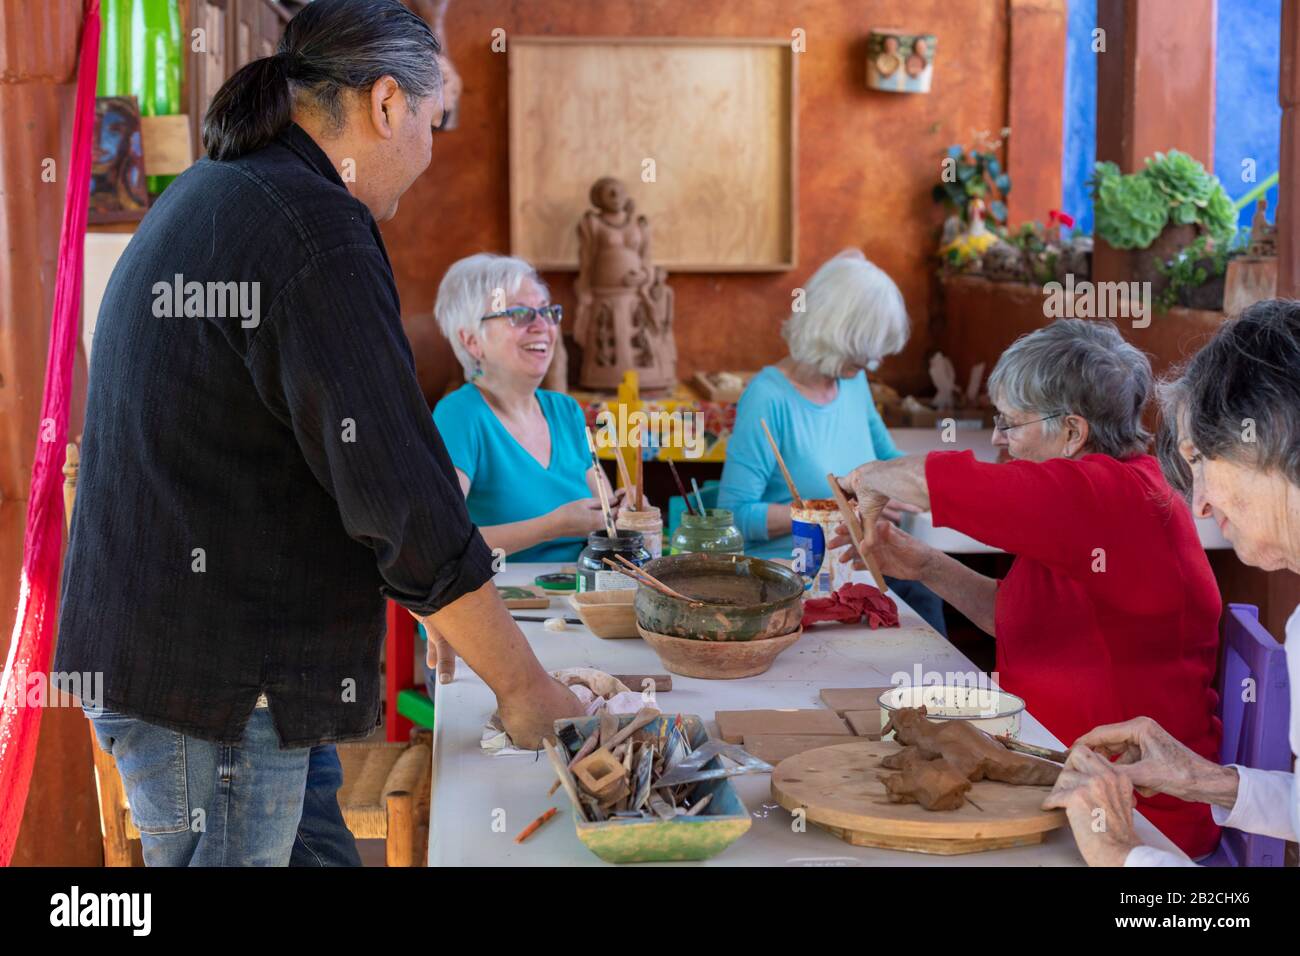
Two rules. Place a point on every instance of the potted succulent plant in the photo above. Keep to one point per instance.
(1160, 210)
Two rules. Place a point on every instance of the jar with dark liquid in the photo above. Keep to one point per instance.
(595, 575)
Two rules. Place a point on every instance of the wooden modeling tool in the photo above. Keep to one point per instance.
(600, 488)
(681, 488)
(785, 472)
(1046, 753)
(855, 532)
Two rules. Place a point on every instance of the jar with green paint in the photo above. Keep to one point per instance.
(713, 532)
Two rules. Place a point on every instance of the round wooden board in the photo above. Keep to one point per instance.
(840, 789)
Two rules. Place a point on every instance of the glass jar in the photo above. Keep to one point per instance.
(595, 575)
(647, 521)
(713, 532)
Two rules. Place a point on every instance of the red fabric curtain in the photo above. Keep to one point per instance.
(32, 642)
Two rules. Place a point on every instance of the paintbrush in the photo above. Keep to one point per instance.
(640, 480)
(600, 488)
(627, 479)
(851, 520)
(780, 462)
(699, 498)
(681, 487)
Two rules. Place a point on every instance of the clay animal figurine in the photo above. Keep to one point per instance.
(971, 752)
(625, 307)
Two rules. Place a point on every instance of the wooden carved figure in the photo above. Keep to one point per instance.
(625, 307)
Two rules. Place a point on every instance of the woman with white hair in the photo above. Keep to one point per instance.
(1248, 481)
(520, 451)
(1110, 609)
(818, 406)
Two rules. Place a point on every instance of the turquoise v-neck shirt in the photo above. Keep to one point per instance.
(506, 483)
(815, 440)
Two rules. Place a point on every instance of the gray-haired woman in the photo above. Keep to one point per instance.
(1231, 441)
(1110, 594)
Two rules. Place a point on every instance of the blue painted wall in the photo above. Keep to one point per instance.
(1247, 114)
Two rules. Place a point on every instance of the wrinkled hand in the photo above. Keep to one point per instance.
(1098, 801)
(898, 553)
(531, 715)
(579, 518)
(1150, 758)
(870, 503)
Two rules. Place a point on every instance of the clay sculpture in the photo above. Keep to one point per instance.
(940, 761)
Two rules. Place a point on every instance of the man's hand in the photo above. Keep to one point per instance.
(899, 554)
(530, 716)
(443, 653)
(1098, 801)
(1157, 763)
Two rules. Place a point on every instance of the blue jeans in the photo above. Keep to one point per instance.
(199, 803)
(323, 838)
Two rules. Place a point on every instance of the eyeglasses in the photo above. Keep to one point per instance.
(1000, 422)
(522, 315)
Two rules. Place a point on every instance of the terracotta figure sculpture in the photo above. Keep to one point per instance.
(625, 307)
(940, 761)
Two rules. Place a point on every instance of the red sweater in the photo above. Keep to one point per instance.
(1110, 610)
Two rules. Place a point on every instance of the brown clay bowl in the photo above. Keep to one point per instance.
(717, 660)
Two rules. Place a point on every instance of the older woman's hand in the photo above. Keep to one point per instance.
(1098, 801)
(900, 555)
(871, 502)
(1157, 763)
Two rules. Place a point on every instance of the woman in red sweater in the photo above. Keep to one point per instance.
(1110, 610)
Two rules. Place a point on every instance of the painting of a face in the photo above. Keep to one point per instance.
(117, 181)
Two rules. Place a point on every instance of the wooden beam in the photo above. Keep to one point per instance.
(1035, 92)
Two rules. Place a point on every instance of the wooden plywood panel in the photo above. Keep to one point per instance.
(714, 116)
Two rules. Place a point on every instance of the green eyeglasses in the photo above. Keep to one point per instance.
(522, 315)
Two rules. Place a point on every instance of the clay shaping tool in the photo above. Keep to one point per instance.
(780, 462)
(566, 778)
(690, 768)
(1046, 753)
(600, 488)
(851, 520)
(532, 827)
(681, 488)
(641, 576)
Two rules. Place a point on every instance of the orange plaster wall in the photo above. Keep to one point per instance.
(866, 160)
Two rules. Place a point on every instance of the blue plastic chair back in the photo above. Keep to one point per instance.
(1255, 707)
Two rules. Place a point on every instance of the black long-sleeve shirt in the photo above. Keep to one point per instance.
(259, 466)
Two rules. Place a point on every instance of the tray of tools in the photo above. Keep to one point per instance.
(660, 792)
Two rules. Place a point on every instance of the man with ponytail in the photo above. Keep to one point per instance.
(259, 468)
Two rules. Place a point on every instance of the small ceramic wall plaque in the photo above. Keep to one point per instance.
(899, 61)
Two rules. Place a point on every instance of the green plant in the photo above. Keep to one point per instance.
(973, 175)
(1187, 270)
(1132, 210)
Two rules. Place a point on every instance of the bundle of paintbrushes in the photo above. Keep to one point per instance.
(642, 771)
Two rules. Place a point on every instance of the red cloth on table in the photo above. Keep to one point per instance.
(850, 604)
(32, 641)
(1110, 610)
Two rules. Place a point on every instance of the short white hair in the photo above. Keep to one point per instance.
(853, 313)
(467, 291)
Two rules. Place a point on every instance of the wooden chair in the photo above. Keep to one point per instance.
(385, 792)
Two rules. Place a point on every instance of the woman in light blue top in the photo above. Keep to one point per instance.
(520, 451)
(818, 406)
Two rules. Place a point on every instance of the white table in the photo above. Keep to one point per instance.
(921, 441)
(470, 789)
